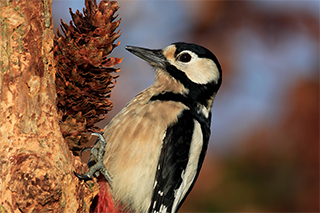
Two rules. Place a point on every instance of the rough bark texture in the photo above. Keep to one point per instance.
(36, 166)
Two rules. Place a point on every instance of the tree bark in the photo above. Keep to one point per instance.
(36, 166)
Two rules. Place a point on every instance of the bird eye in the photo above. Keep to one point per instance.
(185, 57)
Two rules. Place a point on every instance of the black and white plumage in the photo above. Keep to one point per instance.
(156, 144)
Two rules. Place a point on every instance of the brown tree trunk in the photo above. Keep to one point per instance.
(36, 167)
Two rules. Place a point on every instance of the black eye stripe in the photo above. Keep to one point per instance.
(185, 57)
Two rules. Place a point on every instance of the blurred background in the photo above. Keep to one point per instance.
(263, 154)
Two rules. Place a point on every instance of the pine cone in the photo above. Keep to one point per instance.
(84, 76)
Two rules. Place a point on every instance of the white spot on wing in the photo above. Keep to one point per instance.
(163, 209)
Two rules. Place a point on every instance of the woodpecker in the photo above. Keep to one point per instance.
(153, 149)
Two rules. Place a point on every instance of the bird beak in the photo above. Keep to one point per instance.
(154, 57)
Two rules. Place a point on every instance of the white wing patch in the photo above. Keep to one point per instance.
(190, 172)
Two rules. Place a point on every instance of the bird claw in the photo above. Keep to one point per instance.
(82, 177)
(97, 166)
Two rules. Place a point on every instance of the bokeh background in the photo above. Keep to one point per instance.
(264, 150)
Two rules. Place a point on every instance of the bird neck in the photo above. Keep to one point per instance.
(164, 82)
(196, 96)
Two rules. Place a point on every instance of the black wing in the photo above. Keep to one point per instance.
(173, 161)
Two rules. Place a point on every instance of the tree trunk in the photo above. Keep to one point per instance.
(36, 166)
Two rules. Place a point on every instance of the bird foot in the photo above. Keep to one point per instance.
(96, 165)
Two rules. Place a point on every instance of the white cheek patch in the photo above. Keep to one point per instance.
(210, 71)
(201, 70)
(198, 70)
